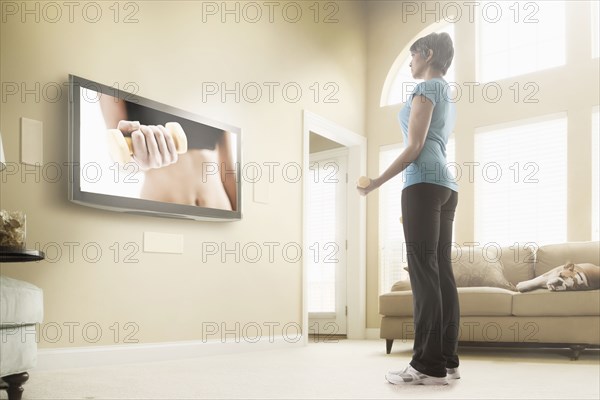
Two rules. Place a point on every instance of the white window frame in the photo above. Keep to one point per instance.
(525, 14)
(595, 26)
(595, 173)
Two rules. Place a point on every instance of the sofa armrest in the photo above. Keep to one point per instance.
(401, 286)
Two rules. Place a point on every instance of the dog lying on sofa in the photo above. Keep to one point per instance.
(570, 276)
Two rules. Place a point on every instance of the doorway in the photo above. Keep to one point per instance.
(334, 266)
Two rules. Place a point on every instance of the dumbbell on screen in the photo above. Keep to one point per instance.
(121, 147)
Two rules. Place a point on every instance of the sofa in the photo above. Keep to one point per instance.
(494, 313)
(21, 308)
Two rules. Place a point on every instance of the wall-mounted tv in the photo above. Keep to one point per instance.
(131, 154)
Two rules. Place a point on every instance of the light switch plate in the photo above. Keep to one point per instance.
(156, 242)
(32, 142)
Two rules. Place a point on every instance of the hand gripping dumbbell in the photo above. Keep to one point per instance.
(363, 182)
(121, 147)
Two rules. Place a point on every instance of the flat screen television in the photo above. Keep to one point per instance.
(131, 154)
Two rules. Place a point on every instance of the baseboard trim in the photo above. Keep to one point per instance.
(94, 356)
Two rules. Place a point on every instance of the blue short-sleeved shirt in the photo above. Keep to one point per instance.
(431, 165)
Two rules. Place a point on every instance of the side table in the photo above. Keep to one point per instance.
(13, 384)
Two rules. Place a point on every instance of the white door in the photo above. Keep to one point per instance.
(327, 243)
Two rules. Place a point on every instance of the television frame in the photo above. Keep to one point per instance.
(136, 205)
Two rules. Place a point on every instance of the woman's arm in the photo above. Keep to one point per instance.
(418, 125)
(227, 164)
(153, 145)
(113, 110)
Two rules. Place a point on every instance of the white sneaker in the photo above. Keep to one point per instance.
(410, 376)
(452, 373)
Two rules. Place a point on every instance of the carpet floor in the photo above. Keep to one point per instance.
(346, 369)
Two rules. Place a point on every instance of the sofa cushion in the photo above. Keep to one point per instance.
(551, 256)
(397, 304)
(485, 301)
(21, 303)
(472, 300)
(542, 302)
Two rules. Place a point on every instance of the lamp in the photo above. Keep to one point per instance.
(2, 159)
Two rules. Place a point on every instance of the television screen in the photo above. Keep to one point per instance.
(132, 154)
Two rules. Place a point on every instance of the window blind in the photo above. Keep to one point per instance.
(322, 237)
(521, 182)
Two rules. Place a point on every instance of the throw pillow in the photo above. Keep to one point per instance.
(473, 269)
(480, 272)
(517, 261)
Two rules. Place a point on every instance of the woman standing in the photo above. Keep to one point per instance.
(429, 200)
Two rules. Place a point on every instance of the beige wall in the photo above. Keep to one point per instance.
(572, 88)
(167, 55)
(320, 143)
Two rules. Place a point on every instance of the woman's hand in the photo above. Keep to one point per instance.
(365, 190)
(153, 146)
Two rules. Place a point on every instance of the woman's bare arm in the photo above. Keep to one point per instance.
(227, 165)
(418, 125)
(113, 111)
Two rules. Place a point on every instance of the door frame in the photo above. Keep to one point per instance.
(356, 288)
